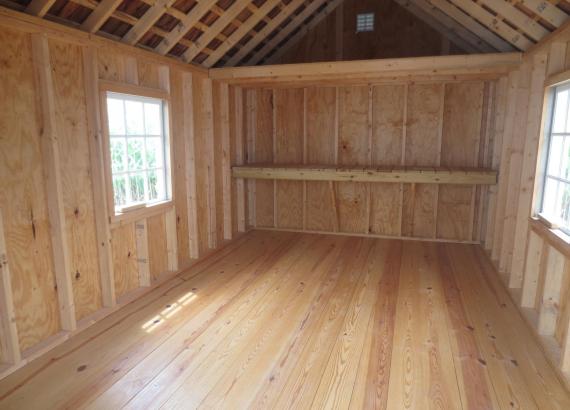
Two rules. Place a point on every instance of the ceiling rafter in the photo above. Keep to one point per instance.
(296, 22)
(221, 22)
(265, 32)
(497, 25)
(247, 32)
(449, 28)
(39, 7)
(184, 26)
(100, 15)
(257, 15)
(509, 12)
(545, 10)
(147, 21)
(472, 25)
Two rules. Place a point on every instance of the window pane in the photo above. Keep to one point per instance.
(559, 121)
(152, 119)
(549, 198)
(135, 121)
(564, 200)
(137, 187)
(566, 159)
(156, 185)
(116, 116)
(120, 190)
(556, 148)
(154, 156)
(118, 155)
(135, 154)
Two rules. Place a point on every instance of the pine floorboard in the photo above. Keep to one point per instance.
(290, 320)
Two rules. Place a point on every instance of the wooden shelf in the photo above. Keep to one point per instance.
(423, 175)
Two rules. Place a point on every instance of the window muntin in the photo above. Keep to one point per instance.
(364, 22)
(555, 204)
(138, 148)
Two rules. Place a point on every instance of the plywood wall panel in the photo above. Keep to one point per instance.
(422, 148)
(321, 125)
(460, 147)
(424, 106)
(125, 265)
(321, 148)
(148, 74)
(111, 66)
(179, 140)
(157, 252)
(67, 72)
(262, 130)
(289, 131)
(388, 116)
(353, 150)
(418, 210)
(22, 197)
(388, 112)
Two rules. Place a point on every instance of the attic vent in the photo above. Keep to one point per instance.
(364, 22)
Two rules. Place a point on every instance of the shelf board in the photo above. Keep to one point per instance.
(422, 175)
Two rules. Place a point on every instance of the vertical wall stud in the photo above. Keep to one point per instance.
(191, 199)
(240, 183)
(208, 101)
(50, 161)
(9, 334)
(226, 160)
(90, 73)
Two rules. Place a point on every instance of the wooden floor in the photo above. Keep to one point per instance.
(281, 320)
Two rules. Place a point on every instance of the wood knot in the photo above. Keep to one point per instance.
(82, 367)
(77, 275)
(483, 362)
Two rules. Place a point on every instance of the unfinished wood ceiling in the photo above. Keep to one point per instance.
(245, 32)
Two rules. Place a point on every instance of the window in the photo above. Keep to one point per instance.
(364, 22)
(555, 204)
(139, 154)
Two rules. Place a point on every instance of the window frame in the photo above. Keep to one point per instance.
(368, 22)
(133, 213)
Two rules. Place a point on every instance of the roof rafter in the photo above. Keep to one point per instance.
(100, 15)
(517, 17)
(184, 26)
(240, 32)
(39, 7)
(266, 31)
(448, 27)
(472, 25)
(491, 21)
(223, 20)
(293, 24)
(147, 21)
(549, 12)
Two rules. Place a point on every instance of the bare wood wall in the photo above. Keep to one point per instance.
(413, 124)
(397, 33)
(534, 261)
(48, 139)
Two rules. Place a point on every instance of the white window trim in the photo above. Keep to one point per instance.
(550, 100)
(138, 211)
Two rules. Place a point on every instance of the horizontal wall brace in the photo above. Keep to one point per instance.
(422, 175)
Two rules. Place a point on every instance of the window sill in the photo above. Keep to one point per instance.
(554, 236)
(131, 215)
